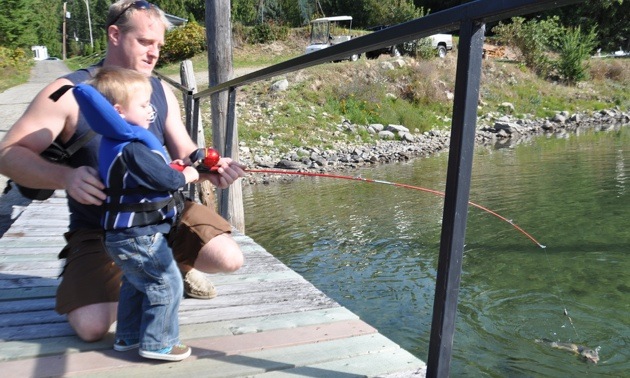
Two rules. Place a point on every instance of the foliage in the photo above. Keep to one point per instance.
(532, 38)
(267, 32)
(14, 58)
(15, 65)
(392, 12)
(421, 49)
(183, 42)
(575, 48)
(17, 27)
(609, 16)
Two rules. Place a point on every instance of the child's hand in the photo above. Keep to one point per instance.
(178, 165)
(191, 174)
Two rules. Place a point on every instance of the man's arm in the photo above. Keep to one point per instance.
(42, 122)
(180, 146)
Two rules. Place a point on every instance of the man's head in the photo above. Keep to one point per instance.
(135, 32)
(129, 91)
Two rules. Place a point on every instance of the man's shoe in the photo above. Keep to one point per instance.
(174, 353)
(122, 345)
(197, 285)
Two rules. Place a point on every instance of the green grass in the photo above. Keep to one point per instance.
(10, 77)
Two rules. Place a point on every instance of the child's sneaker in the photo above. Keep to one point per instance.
(122, 345)
(174, 353)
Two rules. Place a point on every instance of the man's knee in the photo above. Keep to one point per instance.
(92, 322)
(221, 254)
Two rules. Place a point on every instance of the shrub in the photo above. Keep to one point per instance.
(261, 33)
(267, 32)
(15, 58)
(575, 48)
(532, 38)
(183, 43)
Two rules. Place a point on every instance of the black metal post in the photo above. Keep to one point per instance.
(459, 174)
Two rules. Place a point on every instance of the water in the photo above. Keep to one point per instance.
(373, 248)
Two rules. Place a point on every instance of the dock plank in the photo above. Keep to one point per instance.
(267, 320)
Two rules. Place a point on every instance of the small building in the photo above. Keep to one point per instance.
(40, 52)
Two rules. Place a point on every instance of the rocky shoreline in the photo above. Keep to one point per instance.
(395, 143)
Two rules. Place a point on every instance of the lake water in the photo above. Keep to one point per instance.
(373, 248)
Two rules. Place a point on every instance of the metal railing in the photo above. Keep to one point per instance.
(469, 20)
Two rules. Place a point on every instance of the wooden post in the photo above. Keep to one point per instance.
(187, 74)
(219, 35)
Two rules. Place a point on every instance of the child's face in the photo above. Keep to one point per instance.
(139, 110)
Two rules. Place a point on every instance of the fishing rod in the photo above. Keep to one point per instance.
(207, 158)
(373, 181)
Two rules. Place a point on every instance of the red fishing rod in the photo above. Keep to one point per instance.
(207, 158)
(372, 181)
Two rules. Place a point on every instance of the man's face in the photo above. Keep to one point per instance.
(139, 48)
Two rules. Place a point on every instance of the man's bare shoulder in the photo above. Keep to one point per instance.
(45, 119)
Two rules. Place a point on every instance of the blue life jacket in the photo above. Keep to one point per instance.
(127, 204)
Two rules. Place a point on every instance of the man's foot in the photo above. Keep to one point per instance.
(197, 285)
(122, 345)
(174, 353)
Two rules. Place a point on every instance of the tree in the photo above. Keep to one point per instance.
(391, 12)
(609, 16)
(17, 26)
(48, 18)
(575, 49)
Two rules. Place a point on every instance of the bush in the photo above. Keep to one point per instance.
(575, 48)
(15, 58)
(532, 38)
(266, 32)
(183, 43)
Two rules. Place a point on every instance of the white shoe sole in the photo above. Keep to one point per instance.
(164, 356)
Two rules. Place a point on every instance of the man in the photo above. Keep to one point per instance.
(88, 292)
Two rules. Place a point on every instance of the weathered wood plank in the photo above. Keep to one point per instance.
(70, 344)
(91, 362)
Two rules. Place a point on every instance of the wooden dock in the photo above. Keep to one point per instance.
(267, 320)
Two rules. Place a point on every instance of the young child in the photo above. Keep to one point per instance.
(142, 204)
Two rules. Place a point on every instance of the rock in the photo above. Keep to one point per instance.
(386, 135)
(396, 128)
(507, 106)
(288, 164)
(279, 86)
(559, 118)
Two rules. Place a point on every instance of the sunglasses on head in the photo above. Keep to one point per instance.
(135, 5)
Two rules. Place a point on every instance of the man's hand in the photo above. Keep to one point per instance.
(228, 172)
(84, 185)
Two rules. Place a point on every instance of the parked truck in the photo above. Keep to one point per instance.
(442, 43)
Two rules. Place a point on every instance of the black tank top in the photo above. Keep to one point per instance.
(89, 216)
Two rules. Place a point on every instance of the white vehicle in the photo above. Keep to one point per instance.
(442, 43)
(329, 31)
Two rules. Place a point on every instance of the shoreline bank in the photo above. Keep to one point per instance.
(394, 143)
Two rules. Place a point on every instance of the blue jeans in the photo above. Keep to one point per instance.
(151, 290)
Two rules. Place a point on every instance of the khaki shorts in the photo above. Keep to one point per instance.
(90, 276)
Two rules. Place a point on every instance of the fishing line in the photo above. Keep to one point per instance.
(559, 295)
(372, 181)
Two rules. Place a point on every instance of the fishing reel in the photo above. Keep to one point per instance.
(204, 160)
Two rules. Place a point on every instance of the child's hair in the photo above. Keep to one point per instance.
(118, 85)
